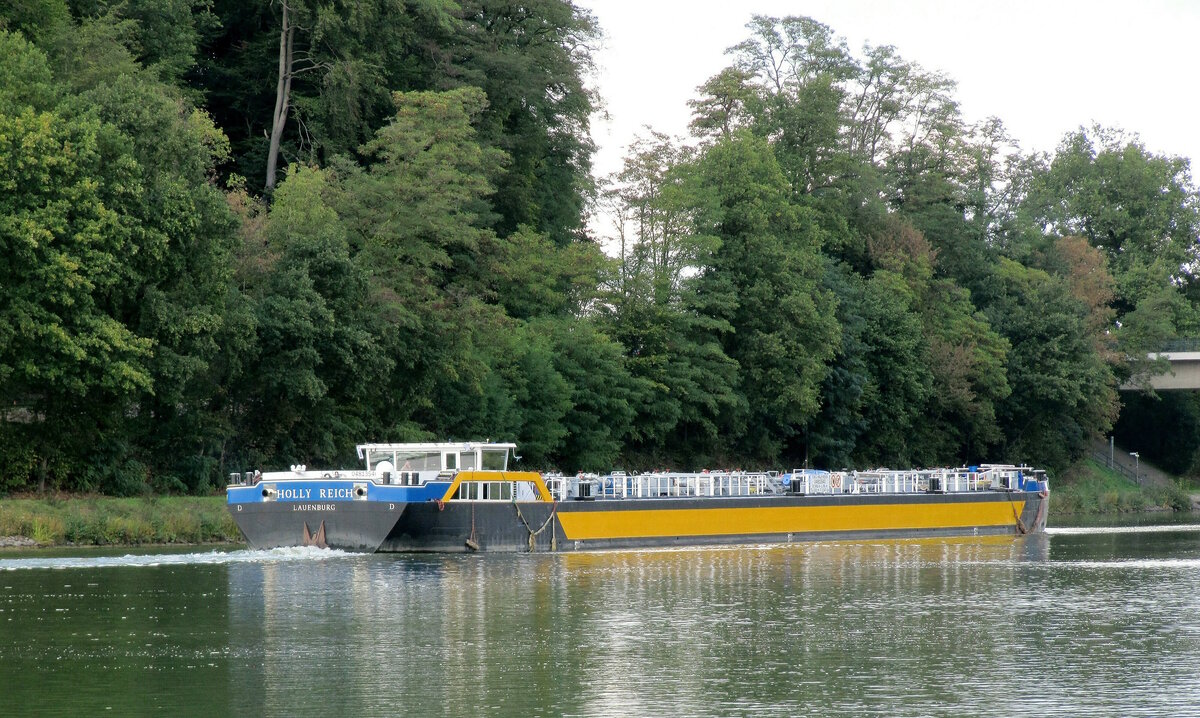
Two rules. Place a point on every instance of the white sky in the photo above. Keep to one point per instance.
(1044, 67)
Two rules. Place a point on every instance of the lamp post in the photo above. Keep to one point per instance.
(1137, 475)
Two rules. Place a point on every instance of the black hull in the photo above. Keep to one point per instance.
(459, 527)
(347, 525)
(469, 526)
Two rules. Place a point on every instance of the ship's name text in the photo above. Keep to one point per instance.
(328, 493)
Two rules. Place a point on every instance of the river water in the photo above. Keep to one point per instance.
(1078, 622)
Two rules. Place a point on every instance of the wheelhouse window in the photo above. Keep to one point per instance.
(494, 460)
(485, 491)
(409, 460)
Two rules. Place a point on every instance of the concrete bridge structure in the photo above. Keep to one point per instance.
(1184, 374)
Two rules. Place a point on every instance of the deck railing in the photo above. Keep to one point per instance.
(619, 485)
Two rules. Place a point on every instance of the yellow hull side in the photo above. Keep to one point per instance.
(584, 525)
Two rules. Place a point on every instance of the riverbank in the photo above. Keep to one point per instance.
(1090, 489)
(105, 521)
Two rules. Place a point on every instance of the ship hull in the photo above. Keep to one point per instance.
(350, 526)
(504, 526)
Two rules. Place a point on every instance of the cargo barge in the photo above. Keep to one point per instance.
(461, 497)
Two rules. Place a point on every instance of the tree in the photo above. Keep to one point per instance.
(335, 66)
(35, 19)
(684, 381)
(283, 86)
(900, 380)
(25, 77)
(603, 395)
(530, 59)
(531, 276)
(1140, 213)
(799, 69)
(1063, 394)
(659, 196)
(338, 63)
(764, 283)
(317, 359)
(417, 218)
(724, 104)
(961, 357)
(1137, 207)
(59, 246)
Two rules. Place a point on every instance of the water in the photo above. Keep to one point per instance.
(1081, 622)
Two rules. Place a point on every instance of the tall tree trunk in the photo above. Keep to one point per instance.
(283, 91)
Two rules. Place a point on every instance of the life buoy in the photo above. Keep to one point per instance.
(836, 482)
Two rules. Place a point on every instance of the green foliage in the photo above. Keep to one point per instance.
(176, 289)
(603, 395)
(128, 286)
(314, 357)
(839, 270)
(1062, 392)
(25, 78)
(35, 19)
(899, 380)
(1090, 488)
(1139, 208)
(530, 60)
(532, 277)
(61, 249)
(963, 357)
(94, 521)
(94, 52)
(764, 282)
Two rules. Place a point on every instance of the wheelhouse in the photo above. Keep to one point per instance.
(417, 464)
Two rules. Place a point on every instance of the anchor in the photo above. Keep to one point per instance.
(317, 539)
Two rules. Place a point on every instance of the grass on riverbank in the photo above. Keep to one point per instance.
(102, 521)
(1092, 488)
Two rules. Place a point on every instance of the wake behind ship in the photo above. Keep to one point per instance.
(456, 497)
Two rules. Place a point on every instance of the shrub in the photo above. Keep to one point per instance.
(48, 530)
(181, 527)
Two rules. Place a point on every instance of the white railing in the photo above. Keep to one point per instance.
(666, 484)
(888, 481)
(620, 485)
(557, 485)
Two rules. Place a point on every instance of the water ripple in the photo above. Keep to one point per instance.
(306, 553)
(1093, 530)
(1134, 563)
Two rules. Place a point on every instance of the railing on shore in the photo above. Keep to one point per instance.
(1106, 459)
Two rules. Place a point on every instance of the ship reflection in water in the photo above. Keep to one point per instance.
(995, 626)
(984, 626)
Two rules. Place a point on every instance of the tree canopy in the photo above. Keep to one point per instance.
(242, 235)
